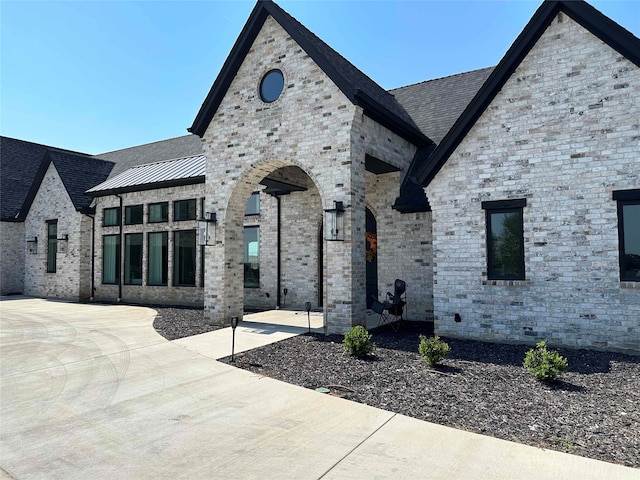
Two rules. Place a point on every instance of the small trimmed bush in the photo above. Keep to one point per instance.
(433, 350)
(543, 364)
(357, 342)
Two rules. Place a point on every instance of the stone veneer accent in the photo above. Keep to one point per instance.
(563, 133)
(72, 277)
(149, 294)
(12, 254)
(312, 126)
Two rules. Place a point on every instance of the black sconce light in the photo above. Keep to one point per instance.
(63, 246)
(32, 245)
(335, 222)
(203, 228)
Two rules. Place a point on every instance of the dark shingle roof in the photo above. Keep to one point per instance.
(187, 145)
(377, 103)
(23, 165)
(435, 105)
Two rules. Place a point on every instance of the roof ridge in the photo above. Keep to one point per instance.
(48, 147)
(441, 78)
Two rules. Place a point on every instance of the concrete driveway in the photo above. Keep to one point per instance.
(92, 392)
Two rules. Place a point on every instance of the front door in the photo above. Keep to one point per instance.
(372, 258)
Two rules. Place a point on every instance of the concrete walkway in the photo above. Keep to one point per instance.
(92, 392)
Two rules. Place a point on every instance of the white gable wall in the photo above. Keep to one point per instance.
(564, 134)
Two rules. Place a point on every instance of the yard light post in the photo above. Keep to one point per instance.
(307, 307)
(234, 324)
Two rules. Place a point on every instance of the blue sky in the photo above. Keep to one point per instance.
(97, 76)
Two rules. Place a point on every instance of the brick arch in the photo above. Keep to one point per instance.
(228, 298)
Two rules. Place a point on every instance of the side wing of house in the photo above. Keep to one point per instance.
(536, 199)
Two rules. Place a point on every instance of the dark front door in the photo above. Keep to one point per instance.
(372, 258)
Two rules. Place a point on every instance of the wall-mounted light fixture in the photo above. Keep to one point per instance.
(203, 228)
(32, 245)
(335, 222)
(63, 242)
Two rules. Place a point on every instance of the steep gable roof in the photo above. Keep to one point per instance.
(377, 103)
(584, 14)
(436, 104)
(23, 166)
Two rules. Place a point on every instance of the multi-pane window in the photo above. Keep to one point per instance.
(133, 215)
(133, 259)
(158, 212)
(184, 210)
(253, 204)
(629, 234)
(505, 239)
(111, 259)
(184, 258)
(52, 245)
(111, 217)
(252, 257)
(158, 258)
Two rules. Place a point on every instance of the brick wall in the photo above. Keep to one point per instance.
(12, 257)
(563, 134)
(73, 258)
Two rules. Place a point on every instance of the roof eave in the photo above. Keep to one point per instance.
(148, 186)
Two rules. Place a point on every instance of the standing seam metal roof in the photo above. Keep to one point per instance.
(154, 173)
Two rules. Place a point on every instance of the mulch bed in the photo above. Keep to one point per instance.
(593, 411)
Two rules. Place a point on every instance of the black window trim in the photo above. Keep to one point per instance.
(126, 282)
(118, 259)
(55, 237)
(141, 222)
(628, 197)
(174, 281)
(256, 214)
(195, 210)
(104, 216)
(166, 283)
(504, 206)
(149, 212)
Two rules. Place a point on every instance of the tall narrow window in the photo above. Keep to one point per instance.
(133, 259)
(52, 245)
(252, 257)
(133, 215)
(505, 239)
(253, 204)
(111, 259)
(184, 210)
(184, 258)
(158, 267)
(629, 234)
(111, 217)
(158, 212)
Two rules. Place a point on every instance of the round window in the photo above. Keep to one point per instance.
(271, 86)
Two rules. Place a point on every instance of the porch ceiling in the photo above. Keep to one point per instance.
(377, 166)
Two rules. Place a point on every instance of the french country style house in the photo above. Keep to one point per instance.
(507, 198)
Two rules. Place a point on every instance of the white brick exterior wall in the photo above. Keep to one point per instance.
(312, 126)
(12, 247)
(71, 279)
(564, 134)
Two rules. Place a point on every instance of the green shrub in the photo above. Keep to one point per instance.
(544, 364)
(357, 342)
(433, 350)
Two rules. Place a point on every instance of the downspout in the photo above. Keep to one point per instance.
(93, 256)
(121, 276)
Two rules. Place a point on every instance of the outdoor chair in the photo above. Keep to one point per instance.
(391, 310)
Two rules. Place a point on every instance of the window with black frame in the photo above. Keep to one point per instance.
(111, 259)
(133, 258)
(184, 258)
(158, 258)
(629, 234)
(52, 246)
(133, 215)
(184, 210)
(505, 239)
(111, 217)
(252, 257)
(253, 205)
(158, 212)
